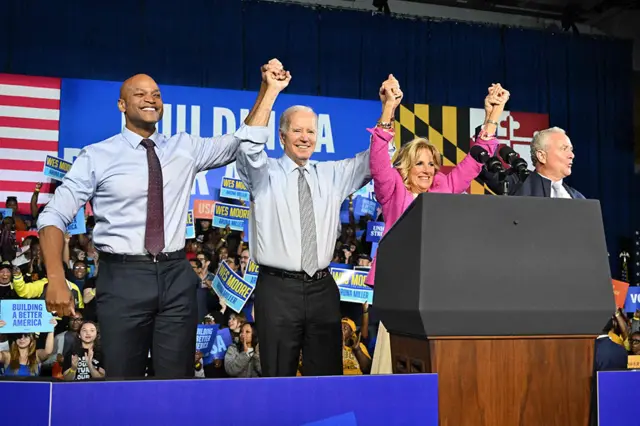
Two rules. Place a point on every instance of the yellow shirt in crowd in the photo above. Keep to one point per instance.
(350, 364)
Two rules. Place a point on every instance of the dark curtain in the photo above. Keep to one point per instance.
(583, 83)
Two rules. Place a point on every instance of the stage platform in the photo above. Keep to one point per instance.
(397, 400)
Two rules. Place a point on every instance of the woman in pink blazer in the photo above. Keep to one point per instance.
(416, 168)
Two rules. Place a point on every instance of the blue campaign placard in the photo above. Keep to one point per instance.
(191, 228)
(205, 338)
(251, 274)
(374, 231)
(25, 316)
(222, 342)
(6, 213)
(352, 286)
(363, 206)
(633, 299)
(231, 287)
(234, 189)
(236, 217)
(79, 225)
(55, 168)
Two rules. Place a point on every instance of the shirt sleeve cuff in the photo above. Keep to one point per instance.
(255, 134)
(381, 133)
(50, 219)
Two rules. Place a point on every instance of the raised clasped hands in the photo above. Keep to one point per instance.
(497, 97)
(390, 92)
(275, 76)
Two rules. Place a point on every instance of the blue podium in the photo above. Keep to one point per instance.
(297, 401)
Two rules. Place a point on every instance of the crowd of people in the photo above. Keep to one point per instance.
(127, 296)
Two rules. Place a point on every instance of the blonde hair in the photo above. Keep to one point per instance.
(408, 156)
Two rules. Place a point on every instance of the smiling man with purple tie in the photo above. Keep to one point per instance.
(139, 183)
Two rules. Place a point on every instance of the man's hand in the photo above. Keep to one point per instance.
(356, 342)
(390, 93)
(59, 298)
(274, 75)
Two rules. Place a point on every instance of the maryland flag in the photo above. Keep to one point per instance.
(452, 131)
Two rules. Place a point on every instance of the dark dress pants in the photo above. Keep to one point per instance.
(144, 306)
(293, 314)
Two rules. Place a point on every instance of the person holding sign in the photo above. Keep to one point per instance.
(139, 182)
(295, 214)
(22, 358)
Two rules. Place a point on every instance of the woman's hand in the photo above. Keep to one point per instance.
(2, 323)
(390, 93)
(74, 361)
(90, 356)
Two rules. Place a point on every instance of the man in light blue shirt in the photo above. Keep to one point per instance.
(295, 214)
(139, 183)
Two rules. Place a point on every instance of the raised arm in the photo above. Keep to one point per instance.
(468, 169)
(219, 151)
(78, 187)
(251, 160)
(386, 180)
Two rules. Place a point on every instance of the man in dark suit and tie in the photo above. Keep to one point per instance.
(552, 156)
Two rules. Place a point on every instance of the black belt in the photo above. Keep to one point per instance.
(143, 258)
(302, 276)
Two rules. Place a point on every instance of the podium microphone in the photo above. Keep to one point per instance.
(479, 154)
(513, 159)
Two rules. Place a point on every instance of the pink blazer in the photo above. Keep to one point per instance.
(394, 196)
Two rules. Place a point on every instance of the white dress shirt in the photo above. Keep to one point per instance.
(274, 224)
(114, 175)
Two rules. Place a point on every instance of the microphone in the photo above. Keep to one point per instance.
(513, 159)
(494, 165)
(479, 154)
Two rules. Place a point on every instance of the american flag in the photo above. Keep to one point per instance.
(29, 124)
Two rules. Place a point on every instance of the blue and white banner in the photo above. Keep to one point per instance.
(231, 287)
(191, 228)
(374, 231)
(352, 286)
(236, 217)
(25, 316)
(251, 274)
(363, 206)
(6, 213)
(205, 112)
(55, 168)
(633, 299)
(79, 224)
(234, 189)
(205, 338)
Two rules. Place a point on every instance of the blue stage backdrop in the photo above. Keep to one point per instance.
(88, 114)
(410, 399)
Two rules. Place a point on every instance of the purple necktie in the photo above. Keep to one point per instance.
(154, 230)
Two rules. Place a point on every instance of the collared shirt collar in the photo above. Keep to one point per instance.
(543, 176)
(289, 165)
(134, 139)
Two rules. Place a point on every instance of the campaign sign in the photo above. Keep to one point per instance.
(231, 287)
(352, 286)
(79, 225)
(251, 274)
(364, 207)
(236, 217)
(6, 213)
(374, 231)
(25, 316)
(205, 337)
(234, 189)
(219, 348)
(191, 229)
(205, 112)
(55, 168)
(633, 299)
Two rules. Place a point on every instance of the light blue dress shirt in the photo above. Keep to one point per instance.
(274, 225)
(114, 175)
